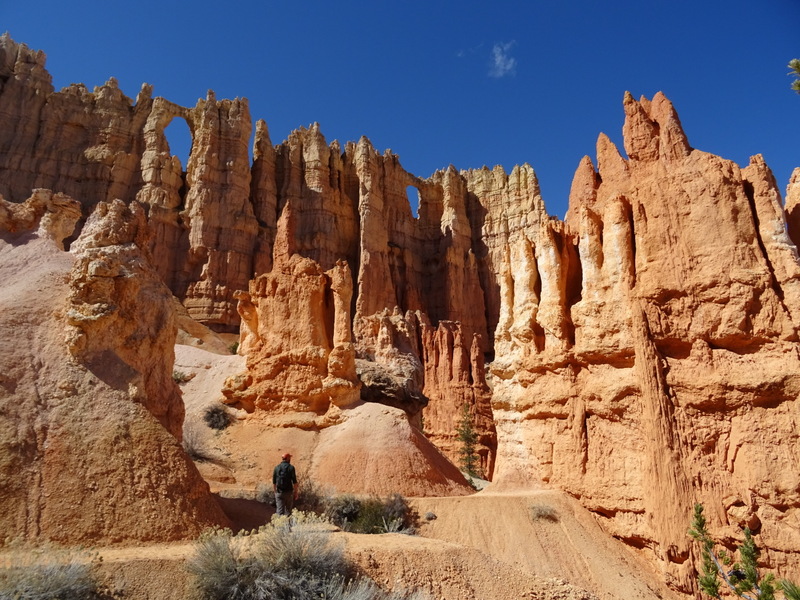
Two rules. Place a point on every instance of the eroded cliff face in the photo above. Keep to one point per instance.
(223, 222)
(641, 355)
(91, 420)
(672, 376)
(297, 339)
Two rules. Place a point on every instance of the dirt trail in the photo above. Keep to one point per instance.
(488, 546)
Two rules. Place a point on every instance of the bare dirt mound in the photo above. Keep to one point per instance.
(368, 448)
(450, 571)
(545, 533)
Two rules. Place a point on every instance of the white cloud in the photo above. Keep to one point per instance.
(502, 62)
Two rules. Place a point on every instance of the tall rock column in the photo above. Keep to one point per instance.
(218, 214)
(455, 377)
(300, 357)
(162, 183)
(264, 196)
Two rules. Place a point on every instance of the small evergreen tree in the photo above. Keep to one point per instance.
(468, 438)
(741, 577)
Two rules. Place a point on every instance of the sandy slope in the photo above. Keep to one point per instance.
(484, 546)
(564, 541)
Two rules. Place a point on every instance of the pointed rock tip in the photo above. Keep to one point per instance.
(604, 145)
(364, 143)
(659, 95)
(262, 131)
(586, 161)
(145, 92)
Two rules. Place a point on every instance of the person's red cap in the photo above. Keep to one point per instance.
(287, 455)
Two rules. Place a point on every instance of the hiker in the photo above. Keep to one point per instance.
(284, 484)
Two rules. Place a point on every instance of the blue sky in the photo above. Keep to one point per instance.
(465, 83)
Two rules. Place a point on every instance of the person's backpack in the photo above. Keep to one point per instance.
(283, 481)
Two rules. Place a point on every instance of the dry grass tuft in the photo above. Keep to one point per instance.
(543, 512)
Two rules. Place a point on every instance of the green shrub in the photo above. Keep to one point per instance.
(193, 446)
(279, 562)
(343, 510)
(60, 574)
(723, 576)
(365, 589)
(468, 438)
(396, 508)
(300, 549)
(217, 417)
(265, 494)
(234, 348)
(181, 377)
(310, 496)
(372, 515)
(219, 568)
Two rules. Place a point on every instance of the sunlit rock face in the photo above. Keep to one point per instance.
(671, 374)
(90, 418)
(641, 355)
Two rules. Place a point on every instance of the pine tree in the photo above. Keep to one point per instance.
(741, 577)
(708, 580)
(468, 437)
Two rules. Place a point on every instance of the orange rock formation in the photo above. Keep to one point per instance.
(641, 355)
(91, 419)
(673, 371)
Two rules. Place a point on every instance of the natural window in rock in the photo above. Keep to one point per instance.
(413, 200)
(179, 138)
